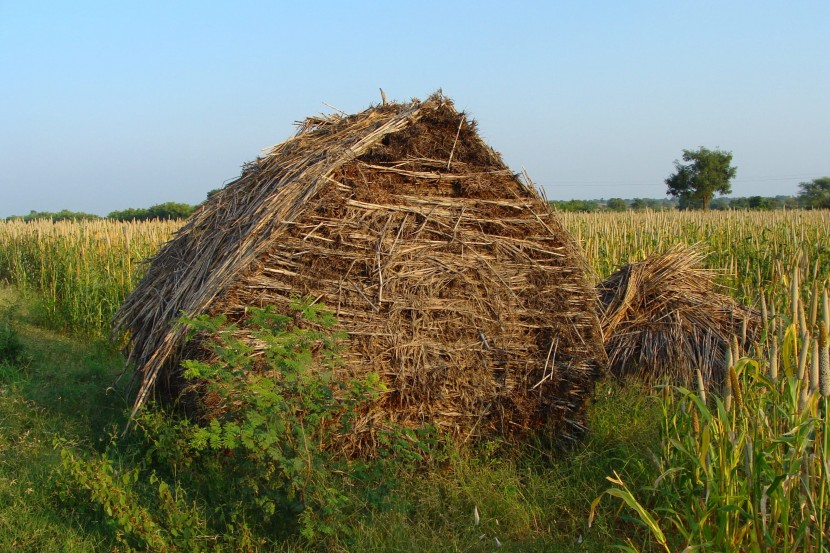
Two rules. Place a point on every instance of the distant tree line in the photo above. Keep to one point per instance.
(167, 210)
(640, 204)
(62, 215)
(614, 204)
(814, 194)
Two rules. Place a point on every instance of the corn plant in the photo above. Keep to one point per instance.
(747, 469)
(753, 250)
(80, 270)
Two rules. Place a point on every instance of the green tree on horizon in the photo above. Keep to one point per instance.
(616, 204)
(62, 215)
(815, 194)
(704, 173)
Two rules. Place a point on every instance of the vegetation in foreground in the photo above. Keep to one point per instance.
(740, 470)
(71, 483)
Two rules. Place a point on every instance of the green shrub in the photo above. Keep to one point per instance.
(11, 348)
(265, 467)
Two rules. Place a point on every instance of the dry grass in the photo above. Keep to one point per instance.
(665, 316)
(82, 270)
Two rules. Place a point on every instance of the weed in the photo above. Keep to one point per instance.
(11, 348)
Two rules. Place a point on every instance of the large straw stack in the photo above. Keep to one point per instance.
(452, 277)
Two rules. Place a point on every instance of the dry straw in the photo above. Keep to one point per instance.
(665, 316)
(455, 282)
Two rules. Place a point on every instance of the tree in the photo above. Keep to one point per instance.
(759, 202)
(719, 203)
(705, 172)
(576, 205)
(62, 215)
(168, 210)
(171, 210)
(616, 204)
(687, 202)
(639, 204)
(815, 194)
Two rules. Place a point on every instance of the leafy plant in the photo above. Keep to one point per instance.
(281, 410)
(746, 471)
(265, 464)
(11, 347)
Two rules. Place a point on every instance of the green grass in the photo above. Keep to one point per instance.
(56, 389)
(533, 498)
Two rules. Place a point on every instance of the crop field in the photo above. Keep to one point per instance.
(661, 469)
(81, 271)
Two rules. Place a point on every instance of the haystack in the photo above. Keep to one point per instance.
(666, 316)
(451, 276)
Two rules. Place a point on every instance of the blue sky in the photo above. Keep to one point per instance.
(110, 105)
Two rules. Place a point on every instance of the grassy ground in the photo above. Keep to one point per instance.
(57, 388)
(533, 499)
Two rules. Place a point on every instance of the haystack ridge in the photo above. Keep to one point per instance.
(665, 317)
(452, 277)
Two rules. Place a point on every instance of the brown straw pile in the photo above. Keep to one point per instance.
(665, 317)
(451, 275)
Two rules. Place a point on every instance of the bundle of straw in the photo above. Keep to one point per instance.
(666, 316)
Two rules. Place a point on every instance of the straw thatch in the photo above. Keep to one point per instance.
(665, 317)
(453, 279)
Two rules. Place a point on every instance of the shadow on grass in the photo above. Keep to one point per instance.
(58, 387)
(75, 379)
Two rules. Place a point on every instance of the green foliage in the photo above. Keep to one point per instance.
(11, 348)
(815, 194)
(706, 172)
(165, 211)
(58, 387)
(284, 416)
(744, 472)
(756, 203)
(639, 204)
(721, 203)
(265, 466)
(586, 206)
(165, 521)
(616, 204)
(752, 202)
(54, 216)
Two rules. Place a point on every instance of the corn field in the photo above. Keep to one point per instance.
(744, 467)
(755, 249)
(83, 270)
(80, 271)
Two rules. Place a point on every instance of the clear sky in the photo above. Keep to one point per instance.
(110, 105)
